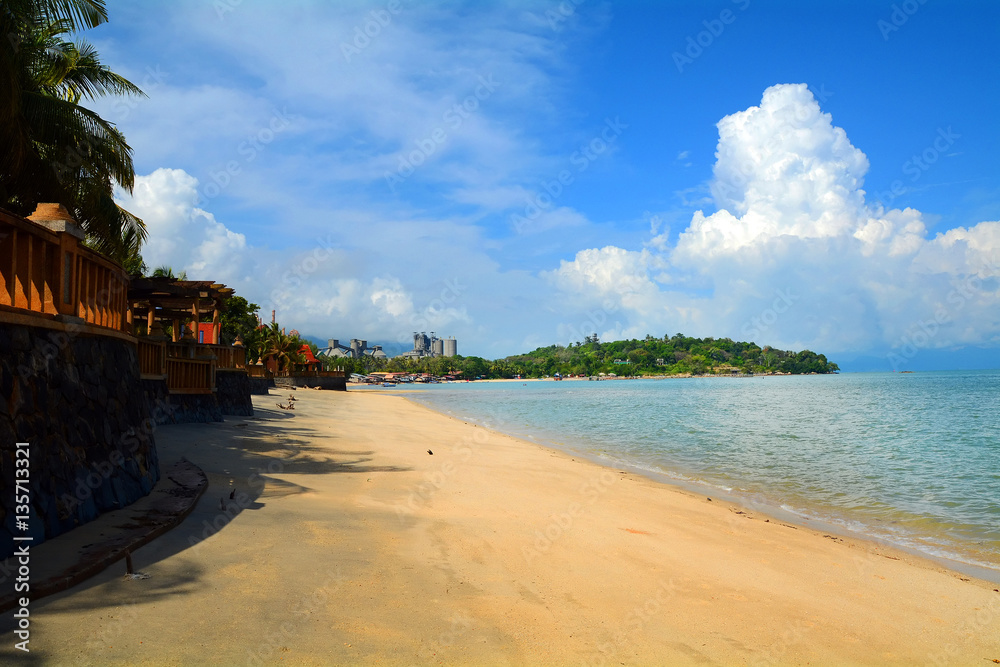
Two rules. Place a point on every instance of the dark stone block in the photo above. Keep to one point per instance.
(52, 522)
(24, 428)
(6, 377)
(6, 543)
(20, 339)
(102, 396)
(90, 376)
(259, 386)
(7, 434)
(233, 393)
(104, 496)
(118, 486)
(87, 510)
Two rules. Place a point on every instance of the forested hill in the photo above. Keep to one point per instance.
(676, 355)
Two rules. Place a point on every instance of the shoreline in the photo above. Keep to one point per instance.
(377, 530)
(988, 572)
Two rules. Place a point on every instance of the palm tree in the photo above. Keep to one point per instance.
(284, 349)
(165, 271)
(51, 148)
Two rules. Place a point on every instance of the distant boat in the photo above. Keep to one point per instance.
(388, 384)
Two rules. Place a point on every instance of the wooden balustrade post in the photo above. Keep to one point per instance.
(216, 324)
(194, 321)
(56, 218)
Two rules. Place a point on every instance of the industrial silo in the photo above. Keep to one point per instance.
(450, 347)
(437, 347)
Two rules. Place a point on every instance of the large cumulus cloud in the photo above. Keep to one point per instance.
(795, 255)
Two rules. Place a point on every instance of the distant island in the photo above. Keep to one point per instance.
(676, 355)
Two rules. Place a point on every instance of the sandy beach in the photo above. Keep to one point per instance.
(348, 542)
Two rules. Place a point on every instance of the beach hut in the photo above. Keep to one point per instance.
(311, 363)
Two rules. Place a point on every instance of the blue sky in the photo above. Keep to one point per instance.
(817, 175)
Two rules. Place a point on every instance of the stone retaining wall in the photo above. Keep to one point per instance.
(232, 389)
(77, 399)
(260, 386)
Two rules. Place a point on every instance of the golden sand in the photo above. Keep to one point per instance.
(348, 543)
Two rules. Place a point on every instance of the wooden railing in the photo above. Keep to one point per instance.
(152, 358)
(255, 371)
(226, 356)
(50, 273)
(187, 368)
(190, 376)
(229, 356)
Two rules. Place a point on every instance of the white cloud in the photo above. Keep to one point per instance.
(325, 282)
(795, 256)
(181, 234)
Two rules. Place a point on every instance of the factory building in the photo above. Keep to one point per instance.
(356, 350)
(431, 346)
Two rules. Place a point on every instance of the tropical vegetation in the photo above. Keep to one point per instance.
(670, 355)
(281, 347)
(53, 149)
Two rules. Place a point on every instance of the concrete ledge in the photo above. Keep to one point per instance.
(64, 561)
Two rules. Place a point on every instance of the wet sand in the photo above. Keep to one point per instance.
(346, 542)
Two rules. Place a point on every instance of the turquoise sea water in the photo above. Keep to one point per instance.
(913, 459)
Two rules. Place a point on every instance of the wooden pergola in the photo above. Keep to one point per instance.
(168, 300)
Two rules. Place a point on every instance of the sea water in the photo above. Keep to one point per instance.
(909, 458)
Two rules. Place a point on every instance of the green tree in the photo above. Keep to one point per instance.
(164, 271)
(281, 347)
(239, 318)
(52, 149)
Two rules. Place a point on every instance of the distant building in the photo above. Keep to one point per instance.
(431, 346)
(357, 349)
